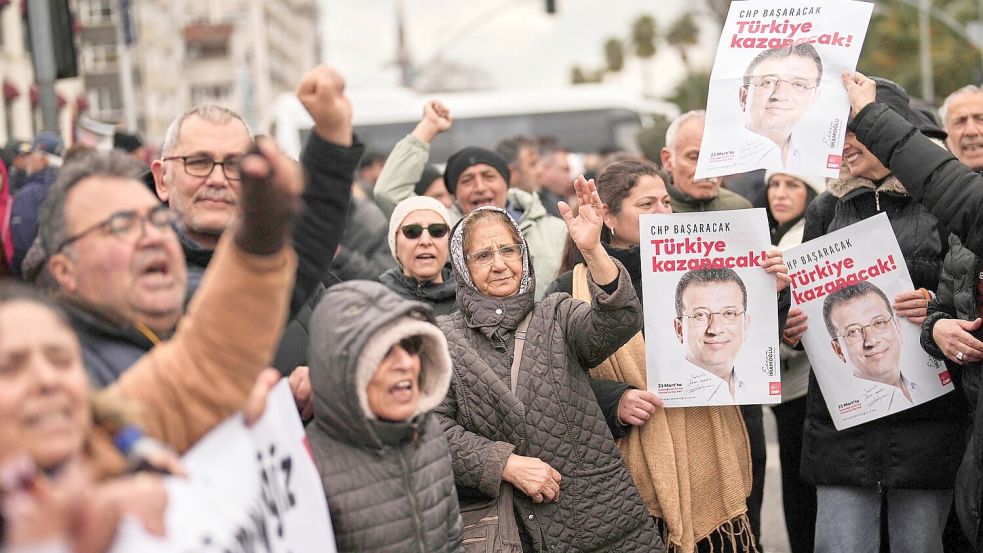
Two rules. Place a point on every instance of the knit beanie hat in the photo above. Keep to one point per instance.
(817, 184)
(470, 156)
(430, 174)
(407, 206)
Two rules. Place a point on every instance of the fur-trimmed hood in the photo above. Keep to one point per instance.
(842, 186)
(352, 329)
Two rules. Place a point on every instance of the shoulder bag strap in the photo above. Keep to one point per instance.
(520, 343)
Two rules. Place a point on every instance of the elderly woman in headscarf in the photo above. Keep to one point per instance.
(535, 428)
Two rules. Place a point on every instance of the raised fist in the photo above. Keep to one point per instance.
(322, 91)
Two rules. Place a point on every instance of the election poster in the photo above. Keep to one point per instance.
(249, 489)
(776, 98)
(711, 316)
(866, 358)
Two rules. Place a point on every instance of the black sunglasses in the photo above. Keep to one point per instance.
(411, 344)
(436, 230)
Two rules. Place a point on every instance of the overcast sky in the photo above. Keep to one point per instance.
(515, 42)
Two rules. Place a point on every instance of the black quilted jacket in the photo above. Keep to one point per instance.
(553, 415)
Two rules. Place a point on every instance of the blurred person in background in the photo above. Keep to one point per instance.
(41, 168)
(788, 196)
(522, 155)
(556, 177)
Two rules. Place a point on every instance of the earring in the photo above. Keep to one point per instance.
(612, 232)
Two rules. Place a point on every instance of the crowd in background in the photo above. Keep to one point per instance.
(465, 343)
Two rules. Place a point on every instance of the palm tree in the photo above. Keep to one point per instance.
(643, 36)
(614, 55)
(682, 35)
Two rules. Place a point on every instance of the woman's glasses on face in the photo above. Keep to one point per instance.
(436, 230)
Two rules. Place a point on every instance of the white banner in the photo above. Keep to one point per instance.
(868, 361)
(776, 98)
(711, 318)
(249, 489)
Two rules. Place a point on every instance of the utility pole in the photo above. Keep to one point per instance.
(925, 52)
(42, 41)
(124, 39)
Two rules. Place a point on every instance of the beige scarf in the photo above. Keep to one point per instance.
(691, 465)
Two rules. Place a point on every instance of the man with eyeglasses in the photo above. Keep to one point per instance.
(711, 324)
(122, 246)
(865, 334)
(780, 86)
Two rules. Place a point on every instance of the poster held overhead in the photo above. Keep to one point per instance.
(776, 100)
(711, 320)
(867, 359)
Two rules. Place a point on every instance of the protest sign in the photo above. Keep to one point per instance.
(249, 489)
(776, 98)
(711, 321)
(867, 360)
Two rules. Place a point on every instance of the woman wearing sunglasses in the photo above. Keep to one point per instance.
(418, 238)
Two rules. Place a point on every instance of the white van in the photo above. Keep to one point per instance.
(585, 118)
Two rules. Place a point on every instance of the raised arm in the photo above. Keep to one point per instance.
(404, 166)
(204, 374)
(329, 158)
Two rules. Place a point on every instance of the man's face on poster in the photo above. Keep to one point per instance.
(713, 325)
(868, 336)
(777, 93)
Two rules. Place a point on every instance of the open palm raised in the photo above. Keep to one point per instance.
(585, 228)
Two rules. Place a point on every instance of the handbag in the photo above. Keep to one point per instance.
(489, 523)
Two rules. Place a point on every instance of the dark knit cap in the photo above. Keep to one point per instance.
(430, 174)
(468, 157)
(892, 94)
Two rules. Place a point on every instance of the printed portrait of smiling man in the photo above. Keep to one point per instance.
(866, 335)
(779, 88)
(711, 323)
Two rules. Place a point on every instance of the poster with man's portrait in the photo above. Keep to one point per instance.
(711, 319)
(866, 358)
(776, 98)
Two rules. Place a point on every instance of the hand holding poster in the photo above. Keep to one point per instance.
(249, 489)
(866, 358)
(711, 322)
(776, 99)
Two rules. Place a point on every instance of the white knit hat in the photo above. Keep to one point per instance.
(818, 184)
(409, 205)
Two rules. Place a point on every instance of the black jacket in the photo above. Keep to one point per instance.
(919, 448)
(441, 297)
(956, 298)
(109, 346)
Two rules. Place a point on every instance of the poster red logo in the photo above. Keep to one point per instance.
(945, 377)
(833, 161)
(774, 388)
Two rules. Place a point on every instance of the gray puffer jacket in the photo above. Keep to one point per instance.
(552, 416)
(389, 485)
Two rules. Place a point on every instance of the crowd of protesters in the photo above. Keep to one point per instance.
(465, 345)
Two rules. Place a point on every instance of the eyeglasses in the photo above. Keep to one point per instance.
(126, 225)
(769, 83)
(855, 334)
(411, 345)
(202, 166)
(702, 317)
(436, 230)
(486, 257)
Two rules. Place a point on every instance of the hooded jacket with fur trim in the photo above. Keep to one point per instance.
(389, 485)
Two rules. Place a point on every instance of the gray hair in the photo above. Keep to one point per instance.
(944, 110)
(209, 112)
(52, 226)
(678, 122)
(704, 277)
(850, 293)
